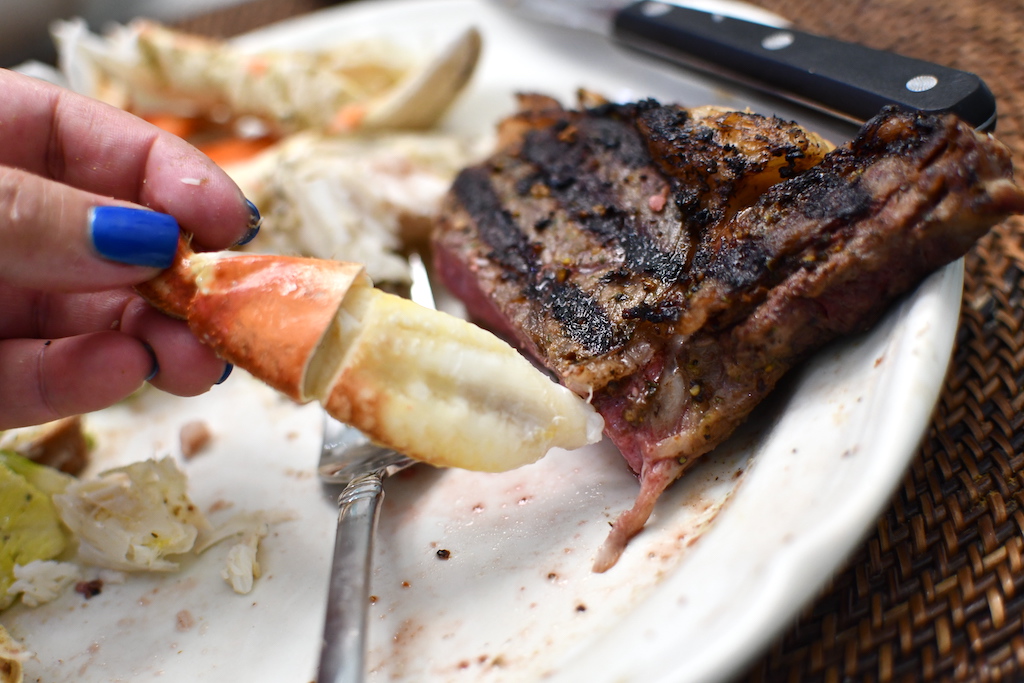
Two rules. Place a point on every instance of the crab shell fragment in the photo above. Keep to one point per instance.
(351, 85)
(432, 386)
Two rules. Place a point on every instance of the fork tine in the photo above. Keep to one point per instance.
(421, 291)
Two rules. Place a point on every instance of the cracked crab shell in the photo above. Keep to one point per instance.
(268, 314)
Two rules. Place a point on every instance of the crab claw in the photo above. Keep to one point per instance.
(416, 380)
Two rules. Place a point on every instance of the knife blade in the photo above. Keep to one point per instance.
(755, 48)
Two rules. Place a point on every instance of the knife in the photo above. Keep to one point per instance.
(761, 50)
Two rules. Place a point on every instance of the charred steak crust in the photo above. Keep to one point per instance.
(674, 263)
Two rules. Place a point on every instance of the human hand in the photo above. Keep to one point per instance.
(74, 336)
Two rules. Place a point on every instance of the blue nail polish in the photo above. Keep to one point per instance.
(135, 236)
(156, 364)
(227, 372)
(254, 224)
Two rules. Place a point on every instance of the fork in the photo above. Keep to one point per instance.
(349, 461)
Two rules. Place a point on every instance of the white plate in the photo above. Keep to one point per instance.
(515, 600)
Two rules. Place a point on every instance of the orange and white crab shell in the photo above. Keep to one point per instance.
(419, 381)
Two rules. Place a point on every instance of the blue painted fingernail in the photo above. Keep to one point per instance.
(227, 372)
(254, 224)
(135, 236)
(156, 364)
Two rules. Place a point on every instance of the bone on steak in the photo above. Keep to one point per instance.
(673, 264)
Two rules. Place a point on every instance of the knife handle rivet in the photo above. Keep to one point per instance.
(777, 40)
(655, 9)
(922, 83)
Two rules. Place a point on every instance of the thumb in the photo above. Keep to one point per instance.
(58, 238)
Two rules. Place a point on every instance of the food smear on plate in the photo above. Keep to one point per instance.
(194, 438)
(673, 264)
(422, 382)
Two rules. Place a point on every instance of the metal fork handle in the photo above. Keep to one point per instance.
(343, 651)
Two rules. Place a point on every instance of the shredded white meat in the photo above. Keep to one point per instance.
(41, 581)
(132, 518)
(242, 566)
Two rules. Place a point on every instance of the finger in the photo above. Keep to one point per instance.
(56, 237)
(41, 315)
(45, 380)
(75, 140)
(184, 366)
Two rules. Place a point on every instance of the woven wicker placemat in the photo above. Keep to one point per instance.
(247, 15)
(936, 592)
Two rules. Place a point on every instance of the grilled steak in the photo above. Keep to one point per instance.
(673, 264)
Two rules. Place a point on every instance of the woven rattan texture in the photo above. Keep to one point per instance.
(936, 592)
(247, 15)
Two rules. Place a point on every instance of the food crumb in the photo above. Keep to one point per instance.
(89, 589)
(657, 202)
(195, 436)
(184, 620)
(220, 504)
(61, 444)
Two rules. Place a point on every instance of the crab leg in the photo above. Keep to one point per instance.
(422, 382)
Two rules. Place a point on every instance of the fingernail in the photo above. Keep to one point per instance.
(228, 367)
(156, 364)
(135, 236)
(254, 224)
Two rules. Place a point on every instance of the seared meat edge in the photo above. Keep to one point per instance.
(673, 264)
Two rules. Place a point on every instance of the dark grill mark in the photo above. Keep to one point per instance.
(833, 197)
(557, 161)
(591, 201)
(645, 257)
(497, 229)
(623, 140)
(740, 265)
(583, 320)
(660, 312)
(580, 316)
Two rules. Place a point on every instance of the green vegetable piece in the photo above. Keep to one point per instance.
(46, 479)
(29, 526)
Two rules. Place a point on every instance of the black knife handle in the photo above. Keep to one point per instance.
(844, 78)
